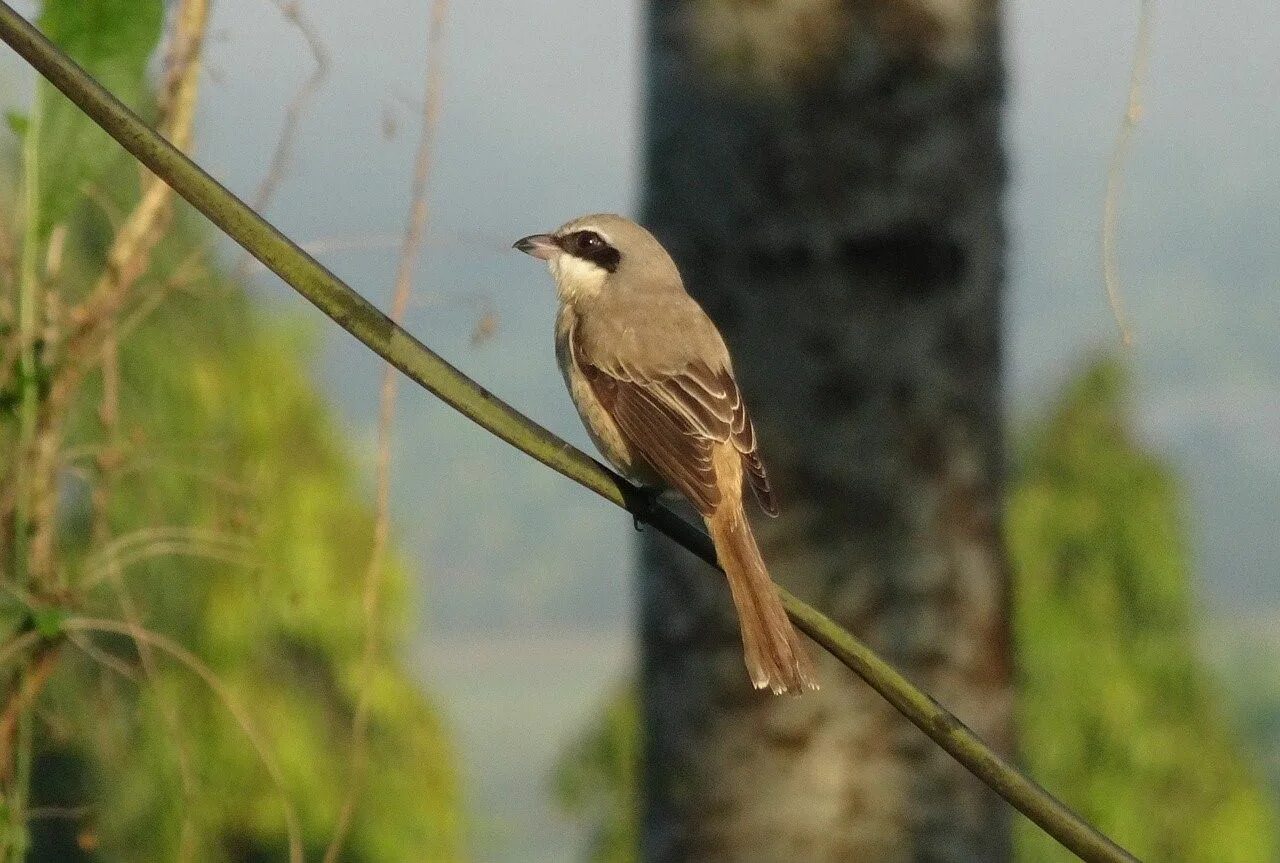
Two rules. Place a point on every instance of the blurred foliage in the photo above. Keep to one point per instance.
(114, 39)
(1117, 713)
(597, 780)
(227, 434)
(1246, 656)
(242, 532)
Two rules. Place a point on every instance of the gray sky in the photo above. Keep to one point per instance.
(525, 578)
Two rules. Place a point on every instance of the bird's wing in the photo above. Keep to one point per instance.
(675, 418)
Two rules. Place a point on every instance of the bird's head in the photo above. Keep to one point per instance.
(598, 253)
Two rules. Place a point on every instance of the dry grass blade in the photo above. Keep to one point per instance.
(150, 542)
(184, 657)
(169, 467)
(168, 713)
(145, 535)
(415, 232)
(129, 253)
(94, 577)
(17, 645)
(1115, 172)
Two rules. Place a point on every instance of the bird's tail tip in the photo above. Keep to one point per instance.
(777, 686)
(789, 671)
(775, 654)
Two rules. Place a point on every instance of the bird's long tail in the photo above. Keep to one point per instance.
(772, 648)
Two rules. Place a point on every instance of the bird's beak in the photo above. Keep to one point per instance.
(542, 246)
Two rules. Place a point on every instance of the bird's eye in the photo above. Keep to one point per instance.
(590, 246)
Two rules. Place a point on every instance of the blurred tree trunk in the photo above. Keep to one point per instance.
(828, 174)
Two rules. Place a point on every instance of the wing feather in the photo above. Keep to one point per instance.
(675, 420)
(663, 436)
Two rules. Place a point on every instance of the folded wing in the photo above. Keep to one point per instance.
(675, 419)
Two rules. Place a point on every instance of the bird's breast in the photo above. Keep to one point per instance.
(604, 432)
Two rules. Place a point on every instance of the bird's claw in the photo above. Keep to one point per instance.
(646, 505)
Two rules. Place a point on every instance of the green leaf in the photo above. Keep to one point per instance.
(112, 40)
(17, 121)
(49, 621)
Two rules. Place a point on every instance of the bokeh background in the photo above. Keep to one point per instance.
(518, 584)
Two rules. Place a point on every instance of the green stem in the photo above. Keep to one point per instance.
(20, 835)
(398, 347)
(28, 408)
(28, 324)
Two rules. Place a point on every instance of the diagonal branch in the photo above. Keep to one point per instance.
(419, 363)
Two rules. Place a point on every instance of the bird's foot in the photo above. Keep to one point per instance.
(644, 505)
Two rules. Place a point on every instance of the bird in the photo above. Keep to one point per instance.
(652, 380)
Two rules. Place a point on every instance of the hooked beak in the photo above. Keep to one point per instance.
(543, 246)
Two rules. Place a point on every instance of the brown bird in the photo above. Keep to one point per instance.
(653, 383)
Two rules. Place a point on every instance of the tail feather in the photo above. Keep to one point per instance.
(775, 656)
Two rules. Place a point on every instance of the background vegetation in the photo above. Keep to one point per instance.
(206, 497)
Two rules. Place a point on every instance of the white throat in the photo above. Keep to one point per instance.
(576, 279)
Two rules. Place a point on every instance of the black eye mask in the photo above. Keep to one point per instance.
(592, 247)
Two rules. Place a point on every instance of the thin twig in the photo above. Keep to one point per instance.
(1115, 172)
(130, 250)
(360, 318)
(155, 550)
(25, 597)
(163, 533)
(283, 153)
(85, 645)
(94, 337)
(141, 464)
(58, 813)
(411, 248)
(184, 657)
(168, 713)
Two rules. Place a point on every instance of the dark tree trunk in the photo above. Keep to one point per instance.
(828, 175)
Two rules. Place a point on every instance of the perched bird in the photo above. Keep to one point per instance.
(653, 383)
